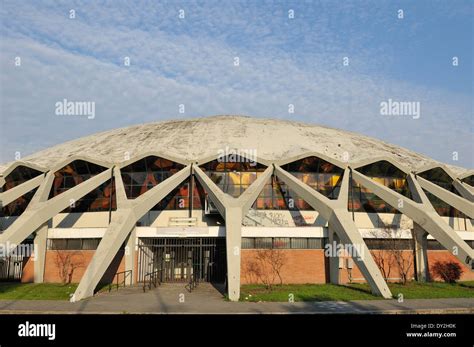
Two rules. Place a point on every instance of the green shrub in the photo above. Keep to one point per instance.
(448, 271)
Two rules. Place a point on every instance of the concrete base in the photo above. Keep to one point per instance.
(333, 260)
(39, 242)
(233, 245)
(130, 254)
(420, 239)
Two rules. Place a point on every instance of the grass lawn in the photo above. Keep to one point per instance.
(331, 292)
(36, 291)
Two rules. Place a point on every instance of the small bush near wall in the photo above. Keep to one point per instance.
(448, 271)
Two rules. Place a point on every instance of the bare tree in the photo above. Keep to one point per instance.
(267, 266)
(404, 264)
(393, 255)
(67, 262)
(276, 259)
(383, 257)
(253, 271)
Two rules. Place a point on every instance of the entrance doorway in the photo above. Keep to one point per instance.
(176, 259)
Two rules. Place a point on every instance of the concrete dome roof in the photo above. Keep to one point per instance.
(198, 138)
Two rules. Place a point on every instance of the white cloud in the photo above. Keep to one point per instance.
(172, 65)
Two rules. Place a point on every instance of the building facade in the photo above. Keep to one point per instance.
(237, 200)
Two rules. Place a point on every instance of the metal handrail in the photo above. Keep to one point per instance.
(126, 273)
(153, 278)
(193, 282)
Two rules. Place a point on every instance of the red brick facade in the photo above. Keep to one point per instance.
(299, 266)
(28, 273)
(69, 266)
(311, 266)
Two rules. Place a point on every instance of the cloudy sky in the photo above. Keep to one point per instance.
(283, 61)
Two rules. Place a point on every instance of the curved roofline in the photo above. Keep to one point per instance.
(369, 161)
(86, 158)
(132, 160)
(205, 160)
(437, 165)
(17, 163)
(322, 156)
(182, 155)
(466, 174)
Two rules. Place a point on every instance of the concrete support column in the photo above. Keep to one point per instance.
(335, 212)
(334, 256)
(39, 243)
(121, 226)
(420, 239)
(233, 222)
(233, 210)
(130, 255)
(41, 209)
(459, 203)
(463, 190)
(423, 214)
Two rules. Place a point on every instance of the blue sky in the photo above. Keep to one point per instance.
(190, 61)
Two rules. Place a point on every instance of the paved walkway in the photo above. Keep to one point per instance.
(173, 298)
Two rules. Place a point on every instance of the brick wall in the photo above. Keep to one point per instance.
(392, 271)
(433, 256)
(28, 273)
(310, 266)
(300, 266)
(56, 261)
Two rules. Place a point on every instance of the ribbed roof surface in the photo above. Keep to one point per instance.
(192, 139)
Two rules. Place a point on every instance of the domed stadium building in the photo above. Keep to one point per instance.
(234, 200)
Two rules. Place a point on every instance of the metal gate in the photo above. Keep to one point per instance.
(11, 268)
(176, 259)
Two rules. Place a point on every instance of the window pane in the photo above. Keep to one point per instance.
(299, 243)
(58, 244)
(248, 177)
(90, 244)
(74, 244)
(281, 242)
(248, 243)
(234, 178)
(263, 242)
(315, 243)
